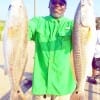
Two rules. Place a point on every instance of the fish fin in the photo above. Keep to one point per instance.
(4, 68)
(17, 94)
(78, 96)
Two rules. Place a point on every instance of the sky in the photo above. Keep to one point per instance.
(43, 10)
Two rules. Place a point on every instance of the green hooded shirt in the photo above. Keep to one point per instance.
(52, 73)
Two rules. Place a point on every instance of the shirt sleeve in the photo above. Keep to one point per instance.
(32, 29)
(71, 26)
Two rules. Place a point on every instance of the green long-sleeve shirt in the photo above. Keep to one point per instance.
(53, 73)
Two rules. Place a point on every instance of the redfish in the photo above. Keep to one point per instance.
(84, 40)
(15, 46)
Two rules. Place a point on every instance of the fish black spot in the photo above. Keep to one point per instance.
(76, 92)
(18, 91)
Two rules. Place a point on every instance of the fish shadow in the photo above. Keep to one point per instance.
(25, 85)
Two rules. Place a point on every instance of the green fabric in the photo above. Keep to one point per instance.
(52, 66)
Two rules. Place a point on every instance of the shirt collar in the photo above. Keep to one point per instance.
(50, 18)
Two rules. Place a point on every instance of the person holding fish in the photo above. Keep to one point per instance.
(53, 76)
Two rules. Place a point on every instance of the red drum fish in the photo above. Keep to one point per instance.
(15, 46)
(84, 41)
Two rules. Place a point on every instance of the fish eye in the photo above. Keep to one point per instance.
(9, 7)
